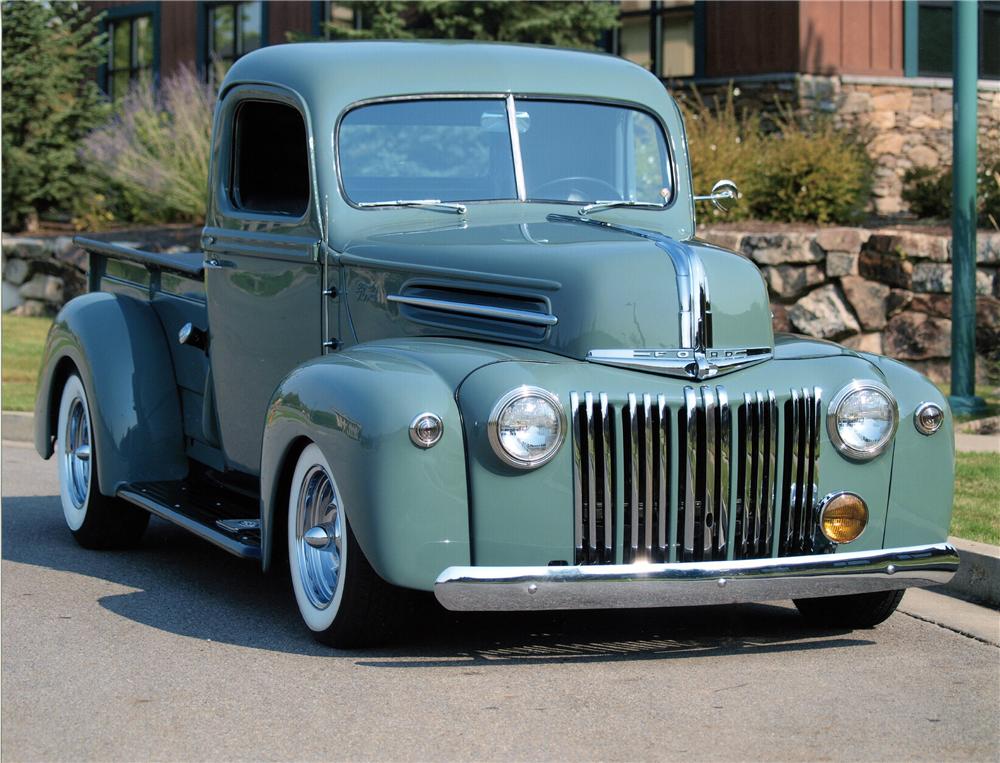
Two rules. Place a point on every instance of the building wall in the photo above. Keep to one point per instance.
(752, 37)
(841, 37)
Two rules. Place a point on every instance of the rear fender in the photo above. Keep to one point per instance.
(117, 345)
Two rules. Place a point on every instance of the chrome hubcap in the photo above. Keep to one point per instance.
(76, 453)
(318, 537)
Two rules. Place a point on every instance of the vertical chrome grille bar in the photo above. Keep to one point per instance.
(795, 494)
(588, 404)
(747, 445)
(609, 492)
(574, 405)
(647, 415)
(709, 518)
(805, 436)
(770, 493)
(725, 464)
(663, 426)
(812, 479)
(690, 421)
(633, 444)
(760, 503)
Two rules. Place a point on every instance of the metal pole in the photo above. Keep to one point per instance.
(963, 216)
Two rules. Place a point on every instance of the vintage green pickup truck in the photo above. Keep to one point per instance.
(451, 330)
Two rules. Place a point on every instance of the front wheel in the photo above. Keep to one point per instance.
(96, 520)
(341, 598)
(862, 610)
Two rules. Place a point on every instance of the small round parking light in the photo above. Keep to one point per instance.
(426, 430)
(843, 517)
(928, 418)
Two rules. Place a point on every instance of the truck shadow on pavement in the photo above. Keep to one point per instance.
(182, 585)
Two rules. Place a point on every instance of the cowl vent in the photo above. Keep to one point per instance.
(523, 317)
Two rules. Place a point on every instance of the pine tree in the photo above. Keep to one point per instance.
(50, 102)
(565, 24)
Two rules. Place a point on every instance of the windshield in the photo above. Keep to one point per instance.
(461, 150)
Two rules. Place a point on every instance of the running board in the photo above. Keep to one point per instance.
(213, 515)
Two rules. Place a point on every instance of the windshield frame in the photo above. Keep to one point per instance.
(510, 100)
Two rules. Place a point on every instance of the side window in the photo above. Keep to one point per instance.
(270, 170)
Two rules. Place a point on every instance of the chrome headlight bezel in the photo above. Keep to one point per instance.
(493, 428)
(833, 412)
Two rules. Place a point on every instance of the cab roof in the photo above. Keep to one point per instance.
(341, 73)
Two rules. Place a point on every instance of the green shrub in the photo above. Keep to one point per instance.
(927, 191)
(798, 170)
(154, 152)
(50, 101)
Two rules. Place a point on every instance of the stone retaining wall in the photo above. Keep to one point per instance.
(881, 291)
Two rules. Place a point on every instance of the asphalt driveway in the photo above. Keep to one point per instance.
(176, 651)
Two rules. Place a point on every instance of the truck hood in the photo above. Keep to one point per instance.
(624, 296)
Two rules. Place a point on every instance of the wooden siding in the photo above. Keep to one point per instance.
(288, 17)
(851, 37)
(750, 37)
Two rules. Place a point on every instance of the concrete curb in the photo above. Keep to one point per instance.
(17, 426)
(978, 575)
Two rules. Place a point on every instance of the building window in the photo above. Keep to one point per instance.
(332, 16)
(931, 33)
(130, 53)
(659, 36)
(233, 30)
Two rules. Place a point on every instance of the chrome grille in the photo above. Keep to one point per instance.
(675, 489)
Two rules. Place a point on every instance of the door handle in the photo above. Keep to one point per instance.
(214, 263)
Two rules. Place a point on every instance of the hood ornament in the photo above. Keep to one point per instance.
(686, 363)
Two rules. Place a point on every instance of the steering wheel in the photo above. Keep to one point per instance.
(576, 191)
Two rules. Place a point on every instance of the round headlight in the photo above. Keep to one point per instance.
(843, 517)
(526, 427)
(862, 420)
(928, 418)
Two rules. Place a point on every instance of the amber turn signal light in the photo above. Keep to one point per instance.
(843, 517)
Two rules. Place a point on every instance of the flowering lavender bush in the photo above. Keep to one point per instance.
(155, 151)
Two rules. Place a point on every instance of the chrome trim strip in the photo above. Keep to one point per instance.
(515, 144)
(725, 467)
(690, 469)
(663, 423)
(633, 436)
(478, 311)
(588, 404)
(794, 482)
(647, 409)
(812, 482)
(609, 495)
(720, 582)
(805, 429)
(748, 471)
(684, 362)
(574, 406)
(760, 506)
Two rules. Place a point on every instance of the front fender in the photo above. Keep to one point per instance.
(408, 507)
(117, 345)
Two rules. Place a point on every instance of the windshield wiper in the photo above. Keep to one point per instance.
(441, 206)
(597, 206)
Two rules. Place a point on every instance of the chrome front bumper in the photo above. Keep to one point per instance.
(681, 585)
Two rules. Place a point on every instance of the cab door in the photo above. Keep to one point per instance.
(263, 272)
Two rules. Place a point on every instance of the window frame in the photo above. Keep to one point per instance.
(223, 177)
(657, 14)
(204, 37)
(129, 13)
(911, 38)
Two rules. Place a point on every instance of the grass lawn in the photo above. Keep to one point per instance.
(977, 497)
(23, 341)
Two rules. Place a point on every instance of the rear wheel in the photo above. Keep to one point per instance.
(341, 598)
(95, 520)
(863, 610)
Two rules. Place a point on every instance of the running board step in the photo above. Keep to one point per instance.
(212, 514)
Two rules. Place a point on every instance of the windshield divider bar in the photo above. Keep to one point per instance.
(515, 145)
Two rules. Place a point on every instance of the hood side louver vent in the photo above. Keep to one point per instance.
(523, 317)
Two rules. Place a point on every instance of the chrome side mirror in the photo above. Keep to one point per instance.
(724, 190)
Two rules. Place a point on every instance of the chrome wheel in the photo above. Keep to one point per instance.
(318, 537)
(76, 453)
